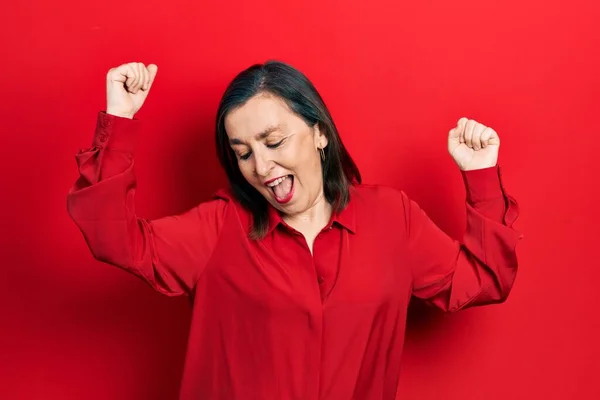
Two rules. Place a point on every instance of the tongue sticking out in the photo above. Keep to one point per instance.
(283, 189)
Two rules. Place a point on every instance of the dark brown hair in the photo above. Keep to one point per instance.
(292, 86)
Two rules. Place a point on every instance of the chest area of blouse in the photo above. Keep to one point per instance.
(279, 274)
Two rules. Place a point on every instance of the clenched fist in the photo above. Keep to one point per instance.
(127, 87)
(473, 145)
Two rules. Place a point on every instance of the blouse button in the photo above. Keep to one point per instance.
(320, 279)
(103, 138)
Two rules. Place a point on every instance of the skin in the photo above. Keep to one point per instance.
(270, 141)
(471, 144)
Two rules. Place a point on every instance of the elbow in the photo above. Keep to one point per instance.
(487, 295)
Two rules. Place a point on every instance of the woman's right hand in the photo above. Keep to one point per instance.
(127, 87)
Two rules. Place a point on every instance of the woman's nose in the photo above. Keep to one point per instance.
(264, 164)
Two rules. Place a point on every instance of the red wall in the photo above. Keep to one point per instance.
(397, 76)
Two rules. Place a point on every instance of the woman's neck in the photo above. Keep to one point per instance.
(313, 219)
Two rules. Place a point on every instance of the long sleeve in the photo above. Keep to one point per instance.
(169, 253)
(481, 268)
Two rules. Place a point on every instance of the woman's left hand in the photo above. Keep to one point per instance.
(473, 145)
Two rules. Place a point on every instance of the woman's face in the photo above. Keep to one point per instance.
(277, 153)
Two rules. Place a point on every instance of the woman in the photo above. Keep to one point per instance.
(300, 275)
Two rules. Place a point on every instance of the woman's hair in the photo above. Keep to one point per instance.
(293, 87)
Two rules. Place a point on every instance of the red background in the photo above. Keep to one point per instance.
(396, 76)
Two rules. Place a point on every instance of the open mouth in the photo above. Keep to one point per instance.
(282, 188)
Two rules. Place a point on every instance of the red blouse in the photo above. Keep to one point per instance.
(272, 321)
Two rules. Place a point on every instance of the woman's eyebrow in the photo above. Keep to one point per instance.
(258, 136)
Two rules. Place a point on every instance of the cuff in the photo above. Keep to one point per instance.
(483, 184)
(115, 133)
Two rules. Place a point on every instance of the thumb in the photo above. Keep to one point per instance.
(458, 131)
(454, 134)
(152, 71)
(461, 128)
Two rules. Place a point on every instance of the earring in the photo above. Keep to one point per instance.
(322, 153)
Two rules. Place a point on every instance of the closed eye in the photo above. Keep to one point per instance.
(275, 145)
(247, 155)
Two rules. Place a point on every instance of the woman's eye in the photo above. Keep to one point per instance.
(275, 145)
(245, 156)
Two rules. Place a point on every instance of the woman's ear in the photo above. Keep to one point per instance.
(320, 138)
